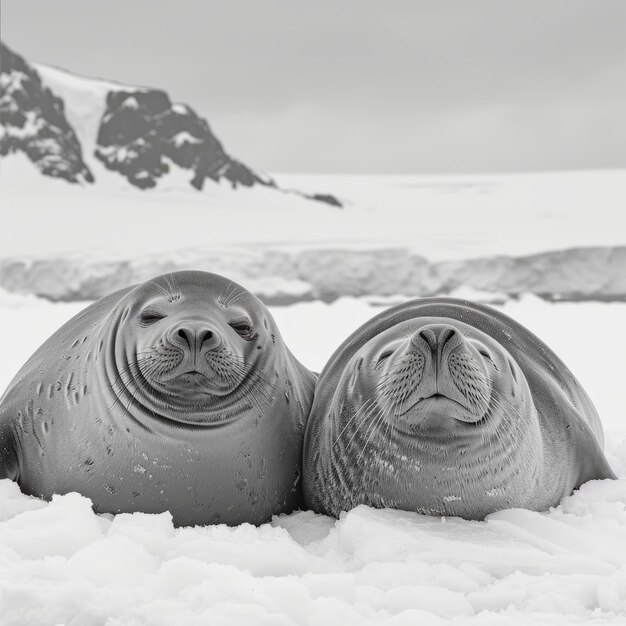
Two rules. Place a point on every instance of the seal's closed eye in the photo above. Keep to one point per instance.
(150, 316)
(243, 327)
(385, 355)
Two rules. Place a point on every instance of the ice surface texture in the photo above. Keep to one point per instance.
(60, 563)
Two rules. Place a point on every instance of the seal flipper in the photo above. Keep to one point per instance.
(593, 465)
(589, 456)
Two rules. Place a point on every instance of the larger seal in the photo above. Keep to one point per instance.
(176, 394)
(446, 407)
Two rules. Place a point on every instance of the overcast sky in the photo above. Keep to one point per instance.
(359, 86)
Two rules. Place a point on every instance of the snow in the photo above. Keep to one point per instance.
(184, 137)
(65, 565)
(440, 218)
(12, 82)
(32, 126)
(130, 103)
(61, 564)
(119, 153)
(448, 217)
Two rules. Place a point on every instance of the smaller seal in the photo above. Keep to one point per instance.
(176, 394)
(445, 407)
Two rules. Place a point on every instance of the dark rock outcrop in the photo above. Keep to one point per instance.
(32, 120)
(327, 198)
(141, 130)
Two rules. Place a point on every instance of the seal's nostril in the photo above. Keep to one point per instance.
(184, 334)
(206, 338)
(429, 337)
(445, 335)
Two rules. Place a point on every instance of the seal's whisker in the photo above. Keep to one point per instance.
(141, 384)
(354, 416)
(367, 416)
(508, 428)
(225, 299)
(161, 289)
(237, 298)
(175, 291)
(359, 425)
(372, 429)
(233, 292)
(258, 374)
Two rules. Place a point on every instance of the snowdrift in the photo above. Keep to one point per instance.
(60, 563)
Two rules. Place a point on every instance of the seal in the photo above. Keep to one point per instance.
(176, 394)
(446, 407)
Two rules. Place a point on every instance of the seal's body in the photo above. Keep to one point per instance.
(177, 394)
(446, 407)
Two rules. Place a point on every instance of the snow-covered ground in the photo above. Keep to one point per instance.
(439, 217)
(61, 564)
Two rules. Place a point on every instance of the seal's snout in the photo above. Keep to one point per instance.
(435, 337)
(451, 372)
(196, 336)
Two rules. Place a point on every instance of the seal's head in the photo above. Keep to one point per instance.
(422, 412)
(189, 345)
(439, 378)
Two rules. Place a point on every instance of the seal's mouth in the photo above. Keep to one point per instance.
(437, 402)
(437, 397)
(192, 378)
(438, 409)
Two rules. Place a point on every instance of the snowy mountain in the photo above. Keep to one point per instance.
(33, 121)
(82, 129)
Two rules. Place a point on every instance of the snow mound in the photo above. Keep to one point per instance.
(61, 563)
